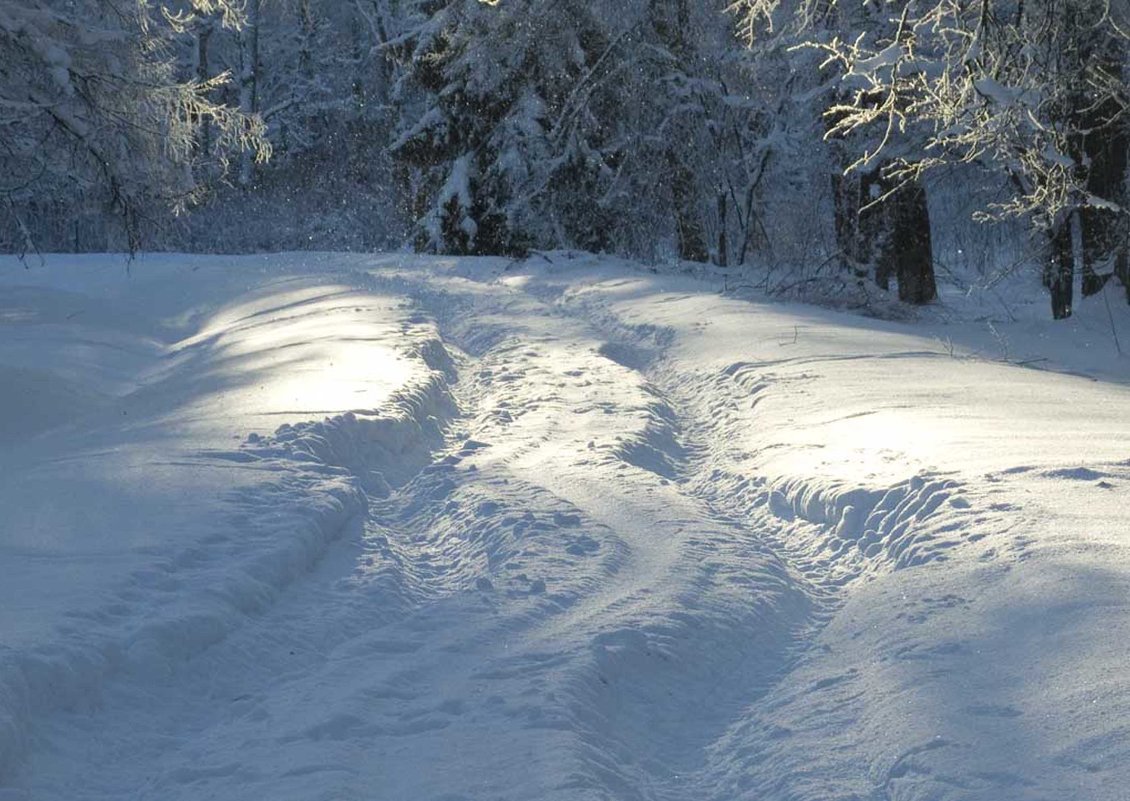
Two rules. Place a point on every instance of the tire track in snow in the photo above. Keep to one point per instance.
(227, 603)
(829, 536)
(193, 588)
(647, 703)
(357, 661)
(834, 537)
(559, 586)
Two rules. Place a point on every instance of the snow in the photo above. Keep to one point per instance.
(390, 527)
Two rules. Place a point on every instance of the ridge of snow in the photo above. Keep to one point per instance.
(299, 489)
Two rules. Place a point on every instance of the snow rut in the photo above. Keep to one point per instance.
(833, 537)
(652, 579)
(175, 616)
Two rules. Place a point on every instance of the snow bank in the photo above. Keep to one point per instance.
(964, 519)
(180, 443)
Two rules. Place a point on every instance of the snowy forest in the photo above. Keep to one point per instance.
(838, 144)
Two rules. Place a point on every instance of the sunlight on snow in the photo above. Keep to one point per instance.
(345, 377)
(317, 350)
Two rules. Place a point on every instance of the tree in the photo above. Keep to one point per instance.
(506, 125)
(607, 125)
(92, 108)
(882, 220)
(707, 125)
(1033, 90)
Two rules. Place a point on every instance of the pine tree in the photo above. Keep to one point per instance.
(503, 125)
(605, 125)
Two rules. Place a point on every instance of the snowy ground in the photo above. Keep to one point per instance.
(345, 527)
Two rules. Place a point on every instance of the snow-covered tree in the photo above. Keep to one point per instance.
(605, 125)
(1033, 90)
(319, 76)
(92, 108)
(696, 125)
(506, 112)
(881, 217)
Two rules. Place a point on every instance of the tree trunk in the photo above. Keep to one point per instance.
(1098, 248)
(857, 223)
(203, 74)
(907, 248)
(1059, 269)
(1100, 145)
(249, 79)
(1105, 144)
(688, 227)
(845, 203)
(891, 237)
(1105, 237)
(722, 259)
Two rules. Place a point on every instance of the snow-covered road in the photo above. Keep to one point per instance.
(404, 528)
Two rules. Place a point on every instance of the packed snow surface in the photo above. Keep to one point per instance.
(349, 527)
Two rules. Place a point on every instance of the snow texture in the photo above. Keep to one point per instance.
(355, 527)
